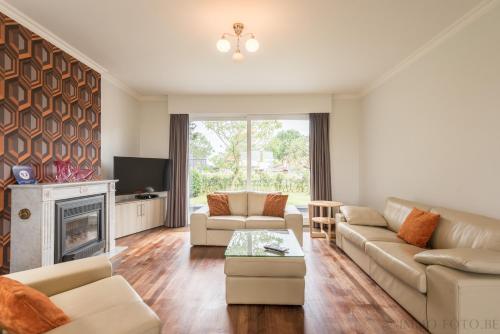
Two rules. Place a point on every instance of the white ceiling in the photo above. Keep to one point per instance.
(159, 47)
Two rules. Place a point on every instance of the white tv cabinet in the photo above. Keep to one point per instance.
(133, 215)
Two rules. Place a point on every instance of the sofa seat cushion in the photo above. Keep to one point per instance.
(132, 317)
(360, 235)
(96, 297)
(225, 222)
(265, 266)
(258, 222)
(397, 259)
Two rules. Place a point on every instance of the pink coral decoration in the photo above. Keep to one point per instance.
(66, 172)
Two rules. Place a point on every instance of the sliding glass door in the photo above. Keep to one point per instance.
(217, 158)
(280, 158)
(278, 148)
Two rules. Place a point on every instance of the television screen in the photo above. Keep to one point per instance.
(140, 175)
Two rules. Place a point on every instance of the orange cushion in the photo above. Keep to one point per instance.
(218, 204)
(274, 205)
(418, 227)
(26, 310)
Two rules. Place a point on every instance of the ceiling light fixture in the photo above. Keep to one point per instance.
(251, 45)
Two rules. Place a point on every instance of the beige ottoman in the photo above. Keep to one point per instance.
(255, 276)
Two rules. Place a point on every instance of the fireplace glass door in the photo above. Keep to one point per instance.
(80, 230)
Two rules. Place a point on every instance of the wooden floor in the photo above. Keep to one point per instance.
(185, 286)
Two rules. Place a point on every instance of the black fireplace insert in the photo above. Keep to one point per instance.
(80, 228)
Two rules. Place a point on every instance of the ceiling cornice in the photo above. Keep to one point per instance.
(345, 96)
(154, 98)
(45, 33)
(472, 15)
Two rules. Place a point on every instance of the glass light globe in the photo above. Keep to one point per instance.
(223, 45)
(238, 56)
(252, 44)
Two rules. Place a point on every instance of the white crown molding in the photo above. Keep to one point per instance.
(353, 96)
(48, 35)
(154, 98)
(121, 85)
(472, 15)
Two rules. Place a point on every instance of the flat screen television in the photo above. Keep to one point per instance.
(141, 175)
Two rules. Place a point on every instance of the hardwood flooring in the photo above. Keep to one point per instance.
(184, 285)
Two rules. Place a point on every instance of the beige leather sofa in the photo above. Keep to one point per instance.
(95, 301)
(246, 209)
(443, 299)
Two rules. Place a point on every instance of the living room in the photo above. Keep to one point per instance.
(328, 166)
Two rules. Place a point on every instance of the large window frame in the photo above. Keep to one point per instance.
(248, 119)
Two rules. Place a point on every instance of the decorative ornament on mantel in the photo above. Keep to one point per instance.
(66, 172)
(251, 45)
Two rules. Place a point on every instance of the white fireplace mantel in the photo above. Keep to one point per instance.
(32, 239)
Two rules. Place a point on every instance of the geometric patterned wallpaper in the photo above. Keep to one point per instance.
(50, 108)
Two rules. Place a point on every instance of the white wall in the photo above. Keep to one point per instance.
(249, 104)
(432, 133)
(344, 133)
(154, 129)
(344, 147)
(119, 125)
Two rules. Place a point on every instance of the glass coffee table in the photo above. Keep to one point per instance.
(255, 275)
(250, 243)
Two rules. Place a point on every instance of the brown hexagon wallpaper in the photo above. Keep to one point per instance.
(50, 107)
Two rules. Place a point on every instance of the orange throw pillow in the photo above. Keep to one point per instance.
(24, 310)
(418, 227)
(275, 205)
(218, 204)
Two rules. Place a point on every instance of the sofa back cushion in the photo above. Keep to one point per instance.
(237, 202)
(458, 229)
(256, 200)
(396, 210)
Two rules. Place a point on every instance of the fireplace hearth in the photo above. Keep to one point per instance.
(79, 228)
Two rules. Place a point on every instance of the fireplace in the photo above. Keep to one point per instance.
(79, 228)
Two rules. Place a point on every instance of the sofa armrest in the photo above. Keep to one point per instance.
(198, 226)
(294, 221)
(61, 277)
(339, 217)
(457, 300)
(474, 260)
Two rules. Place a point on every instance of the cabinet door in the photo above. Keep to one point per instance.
(128, 218)
(153, 213)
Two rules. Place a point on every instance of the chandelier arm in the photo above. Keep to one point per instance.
(226, 34)
(248, 34)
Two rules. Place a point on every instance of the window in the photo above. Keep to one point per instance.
(278, 149)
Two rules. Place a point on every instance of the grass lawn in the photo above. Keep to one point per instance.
(298, 199)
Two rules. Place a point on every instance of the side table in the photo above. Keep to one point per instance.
(331, 208)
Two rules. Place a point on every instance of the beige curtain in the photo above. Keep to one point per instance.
(319, 155)
(178, 154)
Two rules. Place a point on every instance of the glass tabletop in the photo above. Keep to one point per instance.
(250, 243)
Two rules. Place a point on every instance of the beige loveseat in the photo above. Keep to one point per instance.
(443, 299)
(95, 301)
(246, 213)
